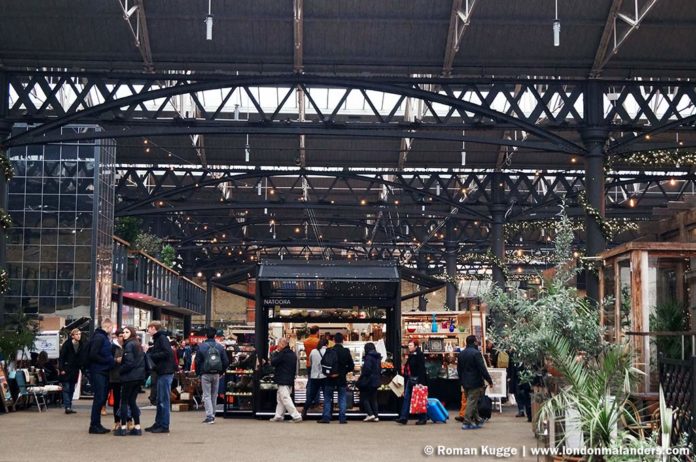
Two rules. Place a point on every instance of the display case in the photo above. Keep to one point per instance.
(239, 379)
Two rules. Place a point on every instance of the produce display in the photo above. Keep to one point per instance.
(348, 315)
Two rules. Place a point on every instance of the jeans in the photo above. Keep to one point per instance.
(164, 389)
(368, 396)
(328, 401)
(406, 407)
(129, 398)
(68, 392)
(100, 387)
(524, 402)
(284, 403)
(210, 384)
(314, 386)
(472, 398)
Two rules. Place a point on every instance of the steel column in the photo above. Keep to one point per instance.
(187, 326)
(497, 235)
(119, 307)
(5, 130)
(422, 266)
(451, 264)
(208, 300)
(594, 135)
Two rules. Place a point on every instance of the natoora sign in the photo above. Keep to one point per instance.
(48, 342)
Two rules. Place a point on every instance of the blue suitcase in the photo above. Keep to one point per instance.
(436, 411)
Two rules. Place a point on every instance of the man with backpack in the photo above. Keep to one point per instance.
(284, 360)
(472, 372)
(100, 360)
(336, 364)
(211, 361)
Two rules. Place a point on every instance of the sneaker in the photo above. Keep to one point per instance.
(98, 430)
(323, 421)
(276, 419)
(297, 420)
(70, 411)
(519, 414)
(135, 432)
(459, 419)
(369, 418)
(470, 427)
(151, 427)
(120, 432)
(376, 419)
(160, 430)
(402, 421)
(343, 421)
(209, 420)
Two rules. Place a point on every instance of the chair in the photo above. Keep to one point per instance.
(26, 393)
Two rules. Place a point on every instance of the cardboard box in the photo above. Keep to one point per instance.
(180, 407)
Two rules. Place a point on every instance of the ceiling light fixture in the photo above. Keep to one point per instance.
(209, 23)
(556, 29)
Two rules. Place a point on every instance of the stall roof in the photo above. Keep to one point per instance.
(334, 270)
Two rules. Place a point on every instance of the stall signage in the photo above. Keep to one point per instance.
(277, 301)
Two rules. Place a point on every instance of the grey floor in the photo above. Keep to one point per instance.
(53, 436)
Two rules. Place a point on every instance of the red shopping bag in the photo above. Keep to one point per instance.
(419, 399)
(110, 399)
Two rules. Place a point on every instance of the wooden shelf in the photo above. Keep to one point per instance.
(322, 320)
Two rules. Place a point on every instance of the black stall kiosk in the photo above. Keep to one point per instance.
(361, 299)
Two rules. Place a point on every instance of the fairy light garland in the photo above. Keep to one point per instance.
(657, 158)
(5, 220)
(4, 282)
(6, 165)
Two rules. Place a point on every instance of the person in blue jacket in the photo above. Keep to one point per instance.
(370, 376)
(101, 361)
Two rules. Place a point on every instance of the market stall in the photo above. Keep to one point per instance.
(360, 300)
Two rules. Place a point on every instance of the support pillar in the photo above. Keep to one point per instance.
(187, 326)
(422, 265)
(5, 131)
(208, 300)
(451, 247)
(119, 307)
(594, 136)
(497, 236)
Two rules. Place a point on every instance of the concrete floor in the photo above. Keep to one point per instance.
(53, 436)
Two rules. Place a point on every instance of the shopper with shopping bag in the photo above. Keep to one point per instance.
(414, 374)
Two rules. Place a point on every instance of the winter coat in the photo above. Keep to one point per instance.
(203, 348)
(415, 367)
(99, 356)
(162, 354)
(472, 369)
(114, 373)
(345, 365)
(133, 362)
(371, 372)
(70, 361)
(285, 364)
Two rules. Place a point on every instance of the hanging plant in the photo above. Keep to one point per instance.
(6, 165)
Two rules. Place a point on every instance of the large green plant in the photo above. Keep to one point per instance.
(128, 228)
(597, 389)
(148, 243)
(671, 316)
(525, 326)
(168, 255)
(17, 333)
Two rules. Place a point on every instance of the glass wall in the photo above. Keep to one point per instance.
(61, 203)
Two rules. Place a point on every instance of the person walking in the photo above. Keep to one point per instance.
(132, 375)
(414, 374)
(69, 364)
(211, 361)
(284, 360)
(101, 361)
(337, 381)
(369, 380)
(472, 373)
(521, 390)
(115, 376)
(162, 355)
(316, 378)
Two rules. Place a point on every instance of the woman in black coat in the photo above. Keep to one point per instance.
(132, 376)
(414, 374)
(69, 364)
(370, 376)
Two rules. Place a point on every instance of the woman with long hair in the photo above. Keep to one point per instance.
(132, 376)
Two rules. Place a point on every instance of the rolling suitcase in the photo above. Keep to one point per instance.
(436, 411)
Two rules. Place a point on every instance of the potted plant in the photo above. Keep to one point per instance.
(17, 334)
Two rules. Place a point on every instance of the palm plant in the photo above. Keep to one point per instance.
(597, 389)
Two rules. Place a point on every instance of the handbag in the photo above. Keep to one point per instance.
(397, 385)
(419, 400)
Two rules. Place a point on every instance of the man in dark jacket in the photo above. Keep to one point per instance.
(472, 372)
(210, 379)
(70, 363)
(414, 374)
(100, 360)
(338, 382)
(284, 360)
(162, 355)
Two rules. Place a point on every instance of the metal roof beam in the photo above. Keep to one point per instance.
(134, 15)
(298, 68)
(459, 22)
(615, 18)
